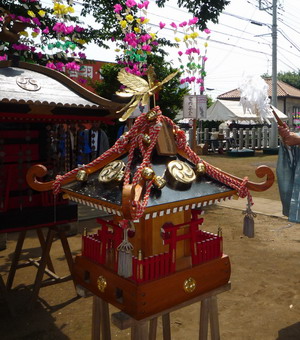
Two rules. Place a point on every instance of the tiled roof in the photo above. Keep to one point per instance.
(283, 90)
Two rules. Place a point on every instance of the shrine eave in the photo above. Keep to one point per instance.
(35, 85)
(151, 211)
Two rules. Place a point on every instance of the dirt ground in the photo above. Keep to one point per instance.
(263, 304)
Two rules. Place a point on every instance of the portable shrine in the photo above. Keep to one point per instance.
(153, 253)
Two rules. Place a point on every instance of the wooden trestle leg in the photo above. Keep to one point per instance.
(44, 264)
(15, 260)
(100, 321)
(140, 330)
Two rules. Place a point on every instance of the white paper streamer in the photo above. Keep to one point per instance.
(254, 97)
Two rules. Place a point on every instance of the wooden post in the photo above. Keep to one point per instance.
(259, 137)
(214, 318)
(203, 330)
(253, 138)
(241, 141)
(100, 319)
(194, 134)
(247, 138)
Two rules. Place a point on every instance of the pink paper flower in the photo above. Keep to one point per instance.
(118, 8)
(146, 48)
(72, 66)
(173, 25)
(162, 25)
(146, 4)
(46, 30)
(78, 29)
(130, 3)
(184, 23)
(60, 66)
(36, 21)
(207, 31)
(51, 65)
(180, 53)
(193, 21)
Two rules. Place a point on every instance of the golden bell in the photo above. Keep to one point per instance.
(148, 173)
(151, 115)
(200, 169)
(82, 176)
(146, 139)
(159, 182)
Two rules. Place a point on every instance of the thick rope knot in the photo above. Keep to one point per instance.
(243, 190)
(181, 139)
(57, 184)
(124, 224)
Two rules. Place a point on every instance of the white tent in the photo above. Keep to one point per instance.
(223, 110)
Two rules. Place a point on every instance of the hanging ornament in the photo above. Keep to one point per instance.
(125, 256)
(248, 229)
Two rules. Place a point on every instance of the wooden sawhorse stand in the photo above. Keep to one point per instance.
(6, 297)
(45, 261)
(140, 329)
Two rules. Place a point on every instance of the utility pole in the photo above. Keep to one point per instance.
(273, 140)
(274, 54)
(274, 132)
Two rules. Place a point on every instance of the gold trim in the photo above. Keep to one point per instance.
(101, 283)
(189, 285)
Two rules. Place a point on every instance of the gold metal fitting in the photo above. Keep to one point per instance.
(101, 283)
(146, 139)
(189, 285)
(120, 176)
(200, 169)
(112, 172)
(148, 173)
(180, 175)
(159, 182)
(152, 115)
(82, 176)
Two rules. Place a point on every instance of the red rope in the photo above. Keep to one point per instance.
(134, 137)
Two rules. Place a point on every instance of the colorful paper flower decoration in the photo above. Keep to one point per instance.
(191, 58)
(138, 40)
(34, 42)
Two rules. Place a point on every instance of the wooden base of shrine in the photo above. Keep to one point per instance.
(146, 329)
(149, 298)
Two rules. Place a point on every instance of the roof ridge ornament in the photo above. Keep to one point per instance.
(28, 83)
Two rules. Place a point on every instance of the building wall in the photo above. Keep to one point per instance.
(89, 69)
(292, 105)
